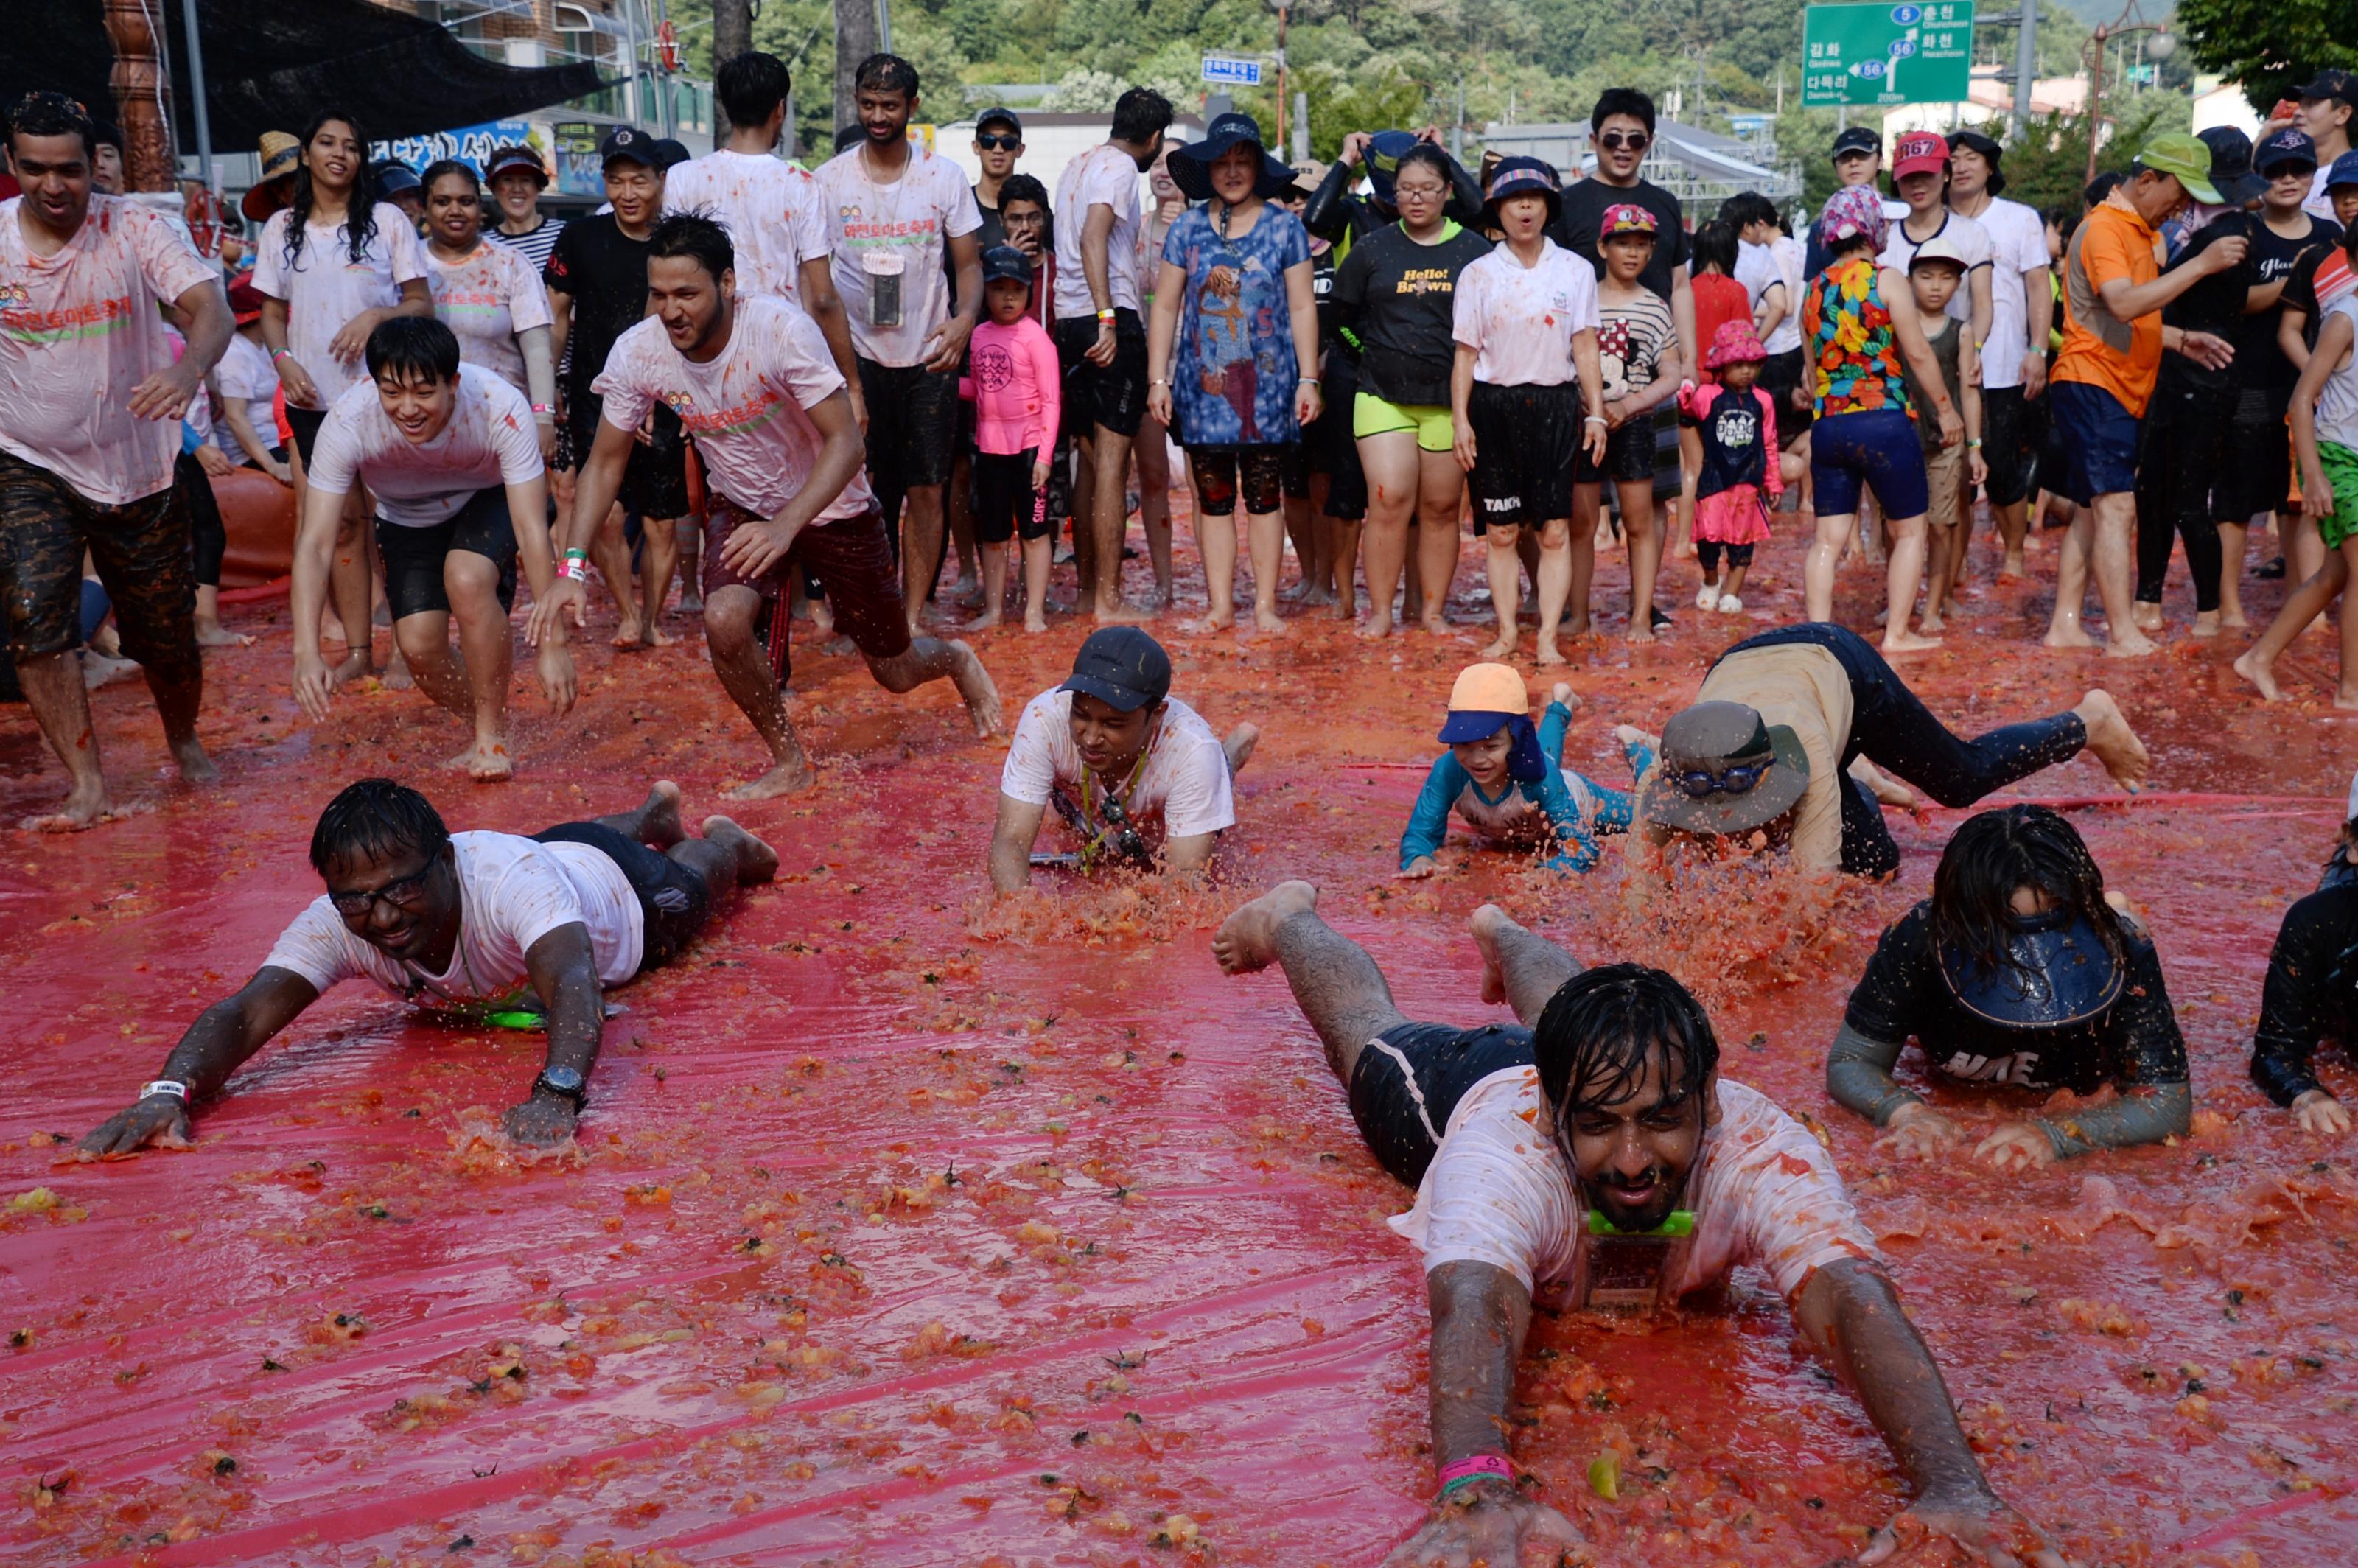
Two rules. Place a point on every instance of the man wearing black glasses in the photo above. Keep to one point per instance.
(997, 144)
(491, 928)
(1621, 128)
(1778, 746)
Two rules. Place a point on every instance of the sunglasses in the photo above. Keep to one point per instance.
(1737, 780)
(1003, 141)
(1635, 141)
(402, 892)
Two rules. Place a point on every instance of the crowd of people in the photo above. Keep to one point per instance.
(798, 394)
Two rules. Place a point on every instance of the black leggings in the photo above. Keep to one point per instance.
(1707, 555)
(2186, 436)
(207, 537)
(1221, 471)
(1892, 729)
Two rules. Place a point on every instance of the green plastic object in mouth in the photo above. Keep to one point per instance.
(515, 1018)
(1681, 1222)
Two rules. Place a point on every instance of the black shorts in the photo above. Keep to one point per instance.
(413, 558)
(1295, 470)
(276, 456)
(1524, 441)
(1332, 449)
(141, 551)
(2005, 446)
(911, 423)
(2257, 474)
(1780, 376)
(1629, 457)
(1223, 473)
(1006, 502)
(1410, 1079)
(1110, 396)
(655, 476)
(304, 424)
(673, 900)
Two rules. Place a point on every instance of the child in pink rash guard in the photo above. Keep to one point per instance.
(1016, 393)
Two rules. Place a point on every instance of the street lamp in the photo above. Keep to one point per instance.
(2159, 44)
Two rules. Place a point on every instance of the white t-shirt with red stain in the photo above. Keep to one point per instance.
(898, 228)
(325, 287)
(486, 300)
(1105, 176)
(1183, 780)
(489, 441)
(1520, 321)
(513, 892)
(745, 407)
(79, 332)
(1498, 1192)
(244, 376)
(776, 215)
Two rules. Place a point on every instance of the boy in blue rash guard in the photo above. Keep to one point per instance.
(1506, 777)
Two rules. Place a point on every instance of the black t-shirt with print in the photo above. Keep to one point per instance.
(1903, 995)
(2261, 362)
(605, 273)
(1582, 214)
(1399, 298)
(2214, 305)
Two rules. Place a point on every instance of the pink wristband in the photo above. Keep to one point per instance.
(1476, 1468)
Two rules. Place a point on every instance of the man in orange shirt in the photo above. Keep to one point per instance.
(2114, 289)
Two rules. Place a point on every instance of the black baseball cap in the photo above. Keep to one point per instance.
(1857, 139)
(1003, 116)
(1005, 264)
(631, 143)
(2332, 83)
(670, 154)
(1123, 666)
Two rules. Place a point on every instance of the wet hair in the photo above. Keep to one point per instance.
(465, 172)
(1621, 101)
(413, 347)
(1994, 853)
(360, 216)
(376, 818)
(1745, 208)
(1713, 244)
(1601, 1029)
(1432, 157)
(2103, 184)
(751, 86)
(53, 114)
(696, 236)
(1141, 115)
(885, 73)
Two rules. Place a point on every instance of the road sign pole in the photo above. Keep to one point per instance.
(2025, 68)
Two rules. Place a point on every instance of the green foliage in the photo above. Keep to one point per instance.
(2047, 167)
(2271, 47)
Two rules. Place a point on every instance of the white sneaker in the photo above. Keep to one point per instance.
(1730, 604)
(1708, 596)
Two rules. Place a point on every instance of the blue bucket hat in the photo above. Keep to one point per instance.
(1385, 149)
(2061, 973)
(1521, 177)
(1191, 166)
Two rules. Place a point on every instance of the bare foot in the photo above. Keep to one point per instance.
(1499, 647)
(1486, 923)
(1269, 620)
(1035, 624)
(756, 861)
(85, 807)
(657, 637)
(822, 617)
(2146, 616)
(101, 669)
(1343, 608)
(1116, 613)
(1908, 642)
(2206, 624)
(786, 778)
(2011, 566)
(630, 636)
(1239, 746)
(1206, 625)
(1639, 632)
(2230, 618)
(396, 676)
(195, 768)
(492, 764)
(982, 697)
(1549, 653)
(2131, 644)
(1576, 628)
(1931, 624)
(1438, 624)
(1247, 940)
(2111, 741)
(691, 603)
(1376, 626)
(349, 668)
(659, 818)
(2068, 637)
(213, 634)
(2260, 672)
(2345, 697)
(985, 622)
(464, 760)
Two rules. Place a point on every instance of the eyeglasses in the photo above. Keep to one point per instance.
(1737, 780)
(1422, 192)
(1004, 142)
(1635, 141)
(402, 892)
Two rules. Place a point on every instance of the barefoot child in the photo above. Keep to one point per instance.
(1638, 346)
(1507, 780)
(1951, 472)
(2325, 434)
(1737, 422)
(1018, 400)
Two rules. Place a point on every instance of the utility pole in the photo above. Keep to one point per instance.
(732, 34)
(2025, 68)
(207, 175)
(855, 40)
(1457, 131)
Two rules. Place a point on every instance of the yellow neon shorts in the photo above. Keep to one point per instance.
(1372, 415)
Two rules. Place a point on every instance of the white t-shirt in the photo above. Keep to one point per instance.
(776, 215)
(79, 332)
(245, 374)
(1184, 780)
(1520, 321)
(1498, 1192)
(327, 289)
(2337, 401)
(489, 441)
(1971, 238)
(2320, 198)
(1105, 176)
(513, 892)
(485, 300)
(2017, 236)
(899, 228)
(745, 407)
(1777, 262)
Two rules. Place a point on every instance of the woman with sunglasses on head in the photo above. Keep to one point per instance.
(489, 296)
(1395, 297)
(2019, 972)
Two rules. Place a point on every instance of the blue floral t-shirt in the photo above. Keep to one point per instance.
(1233, 374)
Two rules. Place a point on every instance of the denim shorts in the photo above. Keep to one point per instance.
(1878, 449)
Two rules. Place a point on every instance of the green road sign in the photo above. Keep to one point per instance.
(1886, 54)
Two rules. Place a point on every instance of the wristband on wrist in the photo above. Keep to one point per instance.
(1106, 316)
(1974, 445)
(172, 1087)
(573, 567)
(278, 354)
(1598, 419)
(1479, 1467)
(544, 409)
